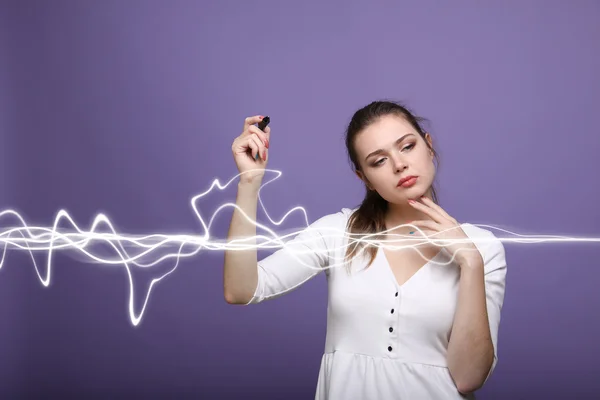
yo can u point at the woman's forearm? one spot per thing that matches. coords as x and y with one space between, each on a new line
470 351
240 273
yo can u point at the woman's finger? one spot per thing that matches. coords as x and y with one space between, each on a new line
262 135
260 146
251 121
436 207
427 210
254 147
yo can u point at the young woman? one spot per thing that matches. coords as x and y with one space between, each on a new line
406 319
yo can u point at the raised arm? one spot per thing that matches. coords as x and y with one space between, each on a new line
240 274
248 280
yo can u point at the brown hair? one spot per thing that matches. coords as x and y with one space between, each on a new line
369 218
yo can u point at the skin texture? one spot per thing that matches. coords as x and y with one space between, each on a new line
470 350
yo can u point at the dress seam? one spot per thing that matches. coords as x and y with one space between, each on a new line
401 360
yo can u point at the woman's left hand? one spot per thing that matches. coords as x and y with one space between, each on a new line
447 230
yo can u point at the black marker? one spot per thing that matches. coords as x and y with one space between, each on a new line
262 125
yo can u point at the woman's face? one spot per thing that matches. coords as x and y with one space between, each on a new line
390 150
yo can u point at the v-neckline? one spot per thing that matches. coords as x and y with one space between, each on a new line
388 267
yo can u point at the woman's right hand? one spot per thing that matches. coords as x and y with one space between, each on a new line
252 141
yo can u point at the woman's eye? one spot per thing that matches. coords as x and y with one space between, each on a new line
407 147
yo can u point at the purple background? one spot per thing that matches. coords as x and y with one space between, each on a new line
130 108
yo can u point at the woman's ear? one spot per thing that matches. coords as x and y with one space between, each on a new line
429 141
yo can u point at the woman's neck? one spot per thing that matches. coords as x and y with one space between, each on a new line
401 214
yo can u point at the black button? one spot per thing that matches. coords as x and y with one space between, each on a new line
389 348
396 294
392 310
391 329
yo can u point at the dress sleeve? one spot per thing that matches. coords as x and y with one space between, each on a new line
494 258
299 259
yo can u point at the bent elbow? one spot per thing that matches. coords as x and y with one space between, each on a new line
471 379
467 388
230 298
470 384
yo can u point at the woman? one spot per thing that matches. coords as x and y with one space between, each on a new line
403 321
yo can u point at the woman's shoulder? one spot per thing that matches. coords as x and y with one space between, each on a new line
332 224
334 219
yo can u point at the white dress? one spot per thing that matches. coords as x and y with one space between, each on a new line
384 340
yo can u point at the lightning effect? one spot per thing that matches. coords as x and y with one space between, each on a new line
130 251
